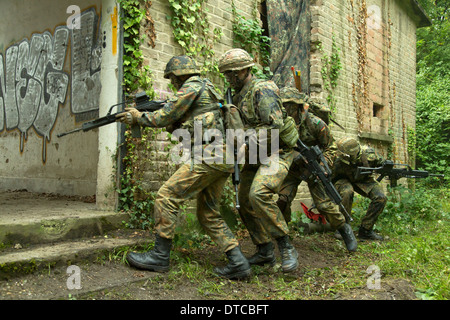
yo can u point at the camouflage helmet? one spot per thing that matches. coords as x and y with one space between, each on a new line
235 59
349 147
181 65
290 94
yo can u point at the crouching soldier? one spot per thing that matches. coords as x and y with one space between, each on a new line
351 156
313 131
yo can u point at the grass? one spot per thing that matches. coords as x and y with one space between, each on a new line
423 258
418 248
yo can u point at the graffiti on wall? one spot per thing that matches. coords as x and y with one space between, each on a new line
86 51
33 83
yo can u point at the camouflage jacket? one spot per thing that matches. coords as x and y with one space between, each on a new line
261 107
368 158
314 131
186 107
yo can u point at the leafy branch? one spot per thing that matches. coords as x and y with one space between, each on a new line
249 35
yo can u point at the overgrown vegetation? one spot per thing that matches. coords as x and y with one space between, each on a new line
417 223
331 67
433 90
249 35
136 75
192 31
133 197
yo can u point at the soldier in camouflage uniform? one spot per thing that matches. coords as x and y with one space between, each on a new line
196 100
350 156
313 131
261 108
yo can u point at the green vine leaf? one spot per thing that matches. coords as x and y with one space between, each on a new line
192 32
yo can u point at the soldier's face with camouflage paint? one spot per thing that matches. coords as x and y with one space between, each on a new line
294 110
177 81
350 158
237 78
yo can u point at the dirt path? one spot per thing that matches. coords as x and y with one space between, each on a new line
321 257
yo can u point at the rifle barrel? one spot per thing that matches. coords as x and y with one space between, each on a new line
69 132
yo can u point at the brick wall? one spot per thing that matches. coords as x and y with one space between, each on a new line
375 94
219 15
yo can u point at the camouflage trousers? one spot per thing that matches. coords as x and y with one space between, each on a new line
375 193
259 211
207 185
322 201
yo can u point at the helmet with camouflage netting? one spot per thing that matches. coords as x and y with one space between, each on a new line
181 65
348 147
235 59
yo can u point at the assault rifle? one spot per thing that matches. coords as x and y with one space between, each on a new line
312 156
393 174
142 104
236 173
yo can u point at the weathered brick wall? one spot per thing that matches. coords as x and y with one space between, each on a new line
375 92
219 16
375 95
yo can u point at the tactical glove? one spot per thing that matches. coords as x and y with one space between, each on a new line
129 116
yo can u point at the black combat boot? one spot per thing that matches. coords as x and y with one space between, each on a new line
365 234
238 266
154 260
349 237
289 256
265 254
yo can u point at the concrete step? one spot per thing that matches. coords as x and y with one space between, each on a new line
41 230
28 218
19 261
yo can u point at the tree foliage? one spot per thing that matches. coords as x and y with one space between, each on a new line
433 89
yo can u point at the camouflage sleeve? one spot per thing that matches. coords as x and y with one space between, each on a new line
268 106
337 171
325 139
172 111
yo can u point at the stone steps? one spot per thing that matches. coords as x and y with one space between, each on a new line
40 232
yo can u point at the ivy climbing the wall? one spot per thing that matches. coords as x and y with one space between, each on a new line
249 35
192 31
133 197
136 76
331 67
